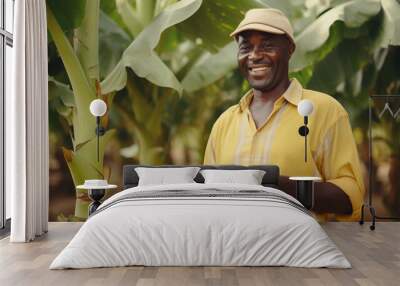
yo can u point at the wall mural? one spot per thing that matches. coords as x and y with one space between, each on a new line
385 154
167 69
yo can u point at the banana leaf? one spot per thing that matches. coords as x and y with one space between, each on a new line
113 42
339 66
341 70
210 68
326 32
69 13
60 90
391 23
215 20
129 17
84 93
140 55
86 38
61 99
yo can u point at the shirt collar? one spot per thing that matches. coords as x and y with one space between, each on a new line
293 95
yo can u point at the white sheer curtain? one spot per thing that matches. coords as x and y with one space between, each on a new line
27 124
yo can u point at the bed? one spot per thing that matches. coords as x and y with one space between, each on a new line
201 224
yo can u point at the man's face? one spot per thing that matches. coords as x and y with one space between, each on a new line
264 58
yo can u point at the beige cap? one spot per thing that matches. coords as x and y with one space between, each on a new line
268 20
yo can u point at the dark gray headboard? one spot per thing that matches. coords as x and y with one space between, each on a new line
270 179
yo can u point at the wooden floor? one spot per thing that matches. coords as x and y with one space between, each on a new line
375 257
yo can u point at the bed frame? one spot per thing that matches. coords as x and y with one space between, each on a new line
270 179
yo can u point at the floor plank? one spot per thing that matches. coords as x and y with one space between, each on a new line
374 255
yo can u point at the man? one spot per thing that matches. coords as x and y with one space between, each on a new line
263 127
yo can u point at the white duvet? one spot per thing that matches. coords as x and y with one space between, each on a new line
200 231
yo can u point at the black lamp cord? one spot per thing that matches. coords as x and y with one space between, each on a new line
305 148
305 137
98 137
303 131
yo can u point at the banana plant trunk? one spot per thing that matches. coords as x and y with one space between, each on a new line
82 66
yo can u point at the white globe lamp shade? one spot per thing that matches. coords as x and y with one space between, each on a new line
305 107
98 107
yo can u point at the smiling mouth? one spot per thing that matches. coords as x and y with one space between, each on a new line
259 69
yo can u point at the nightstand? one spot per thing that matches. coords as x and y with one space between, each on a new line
96 191
305 190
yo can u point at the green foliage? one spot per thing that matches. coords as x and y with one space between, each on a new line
61 98
80 161
147 52
83 92
129 17
140 55
81 62
319 38
113 42
210 68
86 43
61 91
215 20
69 13
349 34
391 23
339 66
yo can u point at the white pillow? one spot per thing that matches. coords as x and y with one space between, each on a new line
248 177
163 176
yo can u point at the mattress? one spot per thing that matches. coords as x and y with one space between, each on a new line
201 225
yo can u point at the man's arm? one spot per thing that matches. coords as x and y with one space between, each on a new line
328 197
342 190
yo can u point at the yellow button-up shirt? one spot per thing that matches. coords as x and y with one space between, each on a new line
332 153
